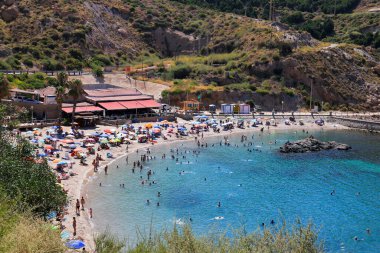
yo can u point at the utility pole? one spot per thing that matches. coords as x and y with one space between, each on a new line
311 93
270 10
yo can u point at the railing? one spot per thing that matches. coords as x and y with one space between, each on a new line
49 73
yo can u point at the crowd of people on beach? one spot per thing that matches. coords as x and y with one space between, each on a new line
63 147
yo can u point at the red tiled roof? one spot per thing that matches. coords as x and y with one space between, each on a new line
132 104
149 103
83 109
119 98
81 104
112 106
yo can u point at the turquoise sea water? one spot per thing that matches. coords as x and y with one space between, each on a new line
253 187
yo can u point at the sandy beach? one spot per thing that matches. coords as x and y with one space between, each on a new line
75 185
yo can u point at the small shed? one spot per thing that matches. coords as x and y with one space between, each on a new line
191 105
235 108
226 108
212 108
245 109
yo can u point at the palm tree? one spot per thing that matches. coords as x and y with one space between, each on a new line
60 93
4 86
62 79
75 91
60 90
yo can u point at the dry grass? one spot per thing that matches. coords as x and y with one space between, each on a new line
32 235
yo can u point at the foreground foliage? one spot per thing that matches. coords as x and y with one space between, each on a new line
32 184
281 239
21 232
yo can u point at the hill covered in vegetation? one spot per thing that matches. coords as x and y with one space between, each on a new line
196 49
314 16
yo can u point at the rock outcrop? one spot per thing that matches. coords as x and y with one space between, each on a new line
311 144
8 10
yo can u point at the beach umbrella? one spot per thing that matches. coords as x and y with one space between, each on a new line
75 244
56 161
70 136
48 147
51 215
90 145
34 141
95 134
36 129
117 140
42 155
65 235
149 125
72 146
104 135
103 141
77 150
62 163
67 141
195 123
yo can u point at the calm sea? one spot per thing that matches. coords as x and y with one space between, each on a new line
252 188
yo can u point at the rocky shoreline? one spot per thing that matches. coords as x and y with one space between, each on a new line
311 144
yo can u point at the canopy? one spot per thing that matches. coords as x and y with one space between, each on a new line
132 104
83 109
112 106
149 103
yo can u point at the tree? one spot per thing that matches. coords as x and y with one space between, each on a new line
60 90
32 185
4 86
75 91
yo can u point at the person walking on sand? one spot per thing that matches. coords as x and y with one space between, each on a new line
82 202
75 226
91 213
77 207
106 170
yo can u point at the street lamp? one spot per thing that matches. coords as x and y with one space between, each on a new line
282 106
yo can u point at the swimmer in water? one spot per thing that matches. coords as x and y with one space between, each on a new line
100 184
158 203
147 202
219 205
272 222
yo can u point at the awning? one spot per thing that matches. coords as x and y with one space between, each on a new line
112 106
83 109
149 103
132 104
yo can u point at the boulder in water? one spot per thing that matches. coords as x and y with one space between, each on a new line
311 144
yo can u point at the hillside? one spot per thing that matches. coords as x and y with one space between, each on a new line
194 49
314 16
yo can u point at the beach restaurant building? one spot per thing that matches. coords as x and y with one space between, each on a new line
114 101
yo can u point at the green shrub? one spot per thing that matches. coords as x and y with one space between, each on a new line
262 91
181 71
33 185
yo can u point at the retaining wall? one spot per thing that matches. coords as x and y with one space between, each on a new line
356 123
